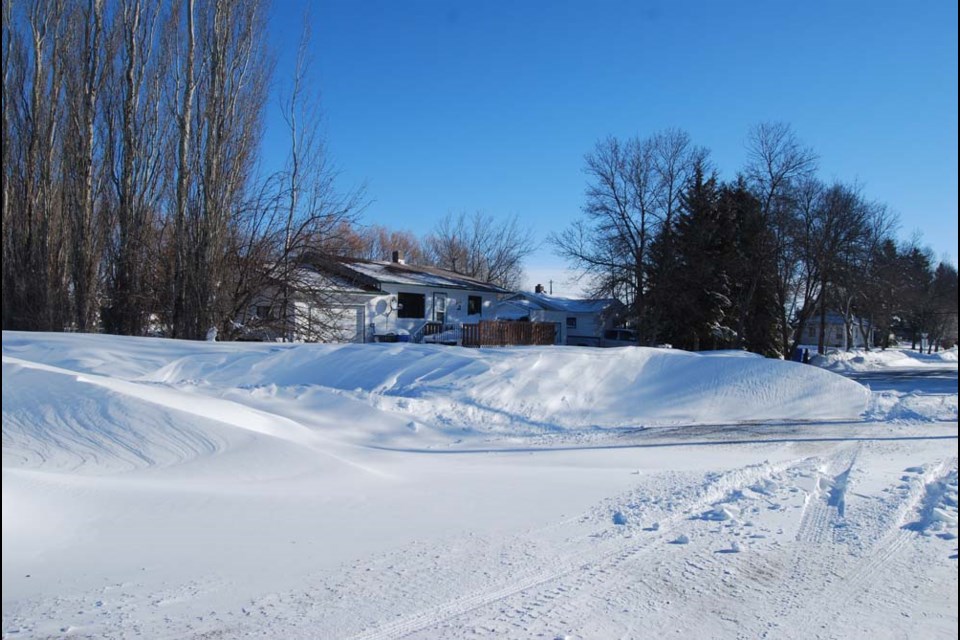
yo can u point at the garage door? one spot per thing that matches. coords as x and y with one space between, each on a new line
340 324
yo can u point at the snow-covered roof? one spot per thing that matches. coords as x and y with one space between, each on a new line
308 278
371 272
542 301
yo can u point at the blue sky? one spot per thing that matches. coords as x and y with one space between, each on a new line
448 106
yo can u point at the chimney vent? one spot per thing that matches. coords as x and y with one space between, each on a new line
398 257
539 288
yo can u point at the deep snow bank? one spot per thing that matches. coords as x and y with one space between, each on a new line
858 360
366 391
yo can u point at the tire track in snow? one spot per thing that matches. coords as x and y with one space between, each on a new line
589 566
824 506
821 514
835 596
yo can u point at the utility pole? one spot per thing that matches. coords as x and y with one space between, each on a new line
551 287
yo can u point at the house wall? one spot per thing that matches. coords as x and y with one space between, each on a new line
384 314
360 317
589 329
307 320
834 335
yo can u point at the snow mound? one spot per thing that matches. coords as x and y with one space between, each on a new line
859 360
938 509
54 419
127 402
540 388
739 353
892 406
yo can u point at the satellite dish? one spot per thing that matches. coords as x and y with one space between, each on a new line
381 307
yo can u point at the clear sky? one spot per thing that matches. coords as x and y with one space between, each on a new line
450 106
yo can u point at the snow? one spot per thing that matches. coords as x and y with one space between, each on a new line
399 273
158 488
890 373
859 360
538 301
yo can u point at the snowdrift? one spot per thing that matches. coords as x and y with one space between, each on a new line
143 402
176 489
858 360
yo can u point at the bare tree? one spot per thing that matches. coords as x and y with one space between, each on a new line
835 233
377 242
480 246
35 233
12 62
611 244
633 195
298 217
777 164
137 142
87 63
107 217
184 89
231 85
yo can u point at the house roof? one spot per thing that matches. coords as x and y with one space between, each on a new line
310 278
541 301
371 274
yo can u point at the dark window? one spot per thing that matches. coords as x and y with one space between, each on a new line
411 305
611 334
265 312
474 305
571 322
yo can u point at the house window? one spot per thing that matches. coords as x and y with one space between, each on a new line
411 305
571 322
474 305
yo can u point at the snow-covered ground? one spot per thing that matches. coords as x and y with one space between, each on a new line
165 489
892 375
860 360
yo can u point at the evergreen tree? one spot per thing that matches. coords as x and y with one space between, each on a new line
689 288
755 313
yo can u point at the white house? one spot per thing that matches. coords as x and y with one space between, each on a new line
354 300
837 333
580 322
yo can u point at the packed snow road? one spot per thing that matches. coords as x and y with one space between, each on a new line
161 489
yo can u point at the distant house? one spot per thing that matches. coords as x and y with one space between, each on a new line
838 333
580 321
354 300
